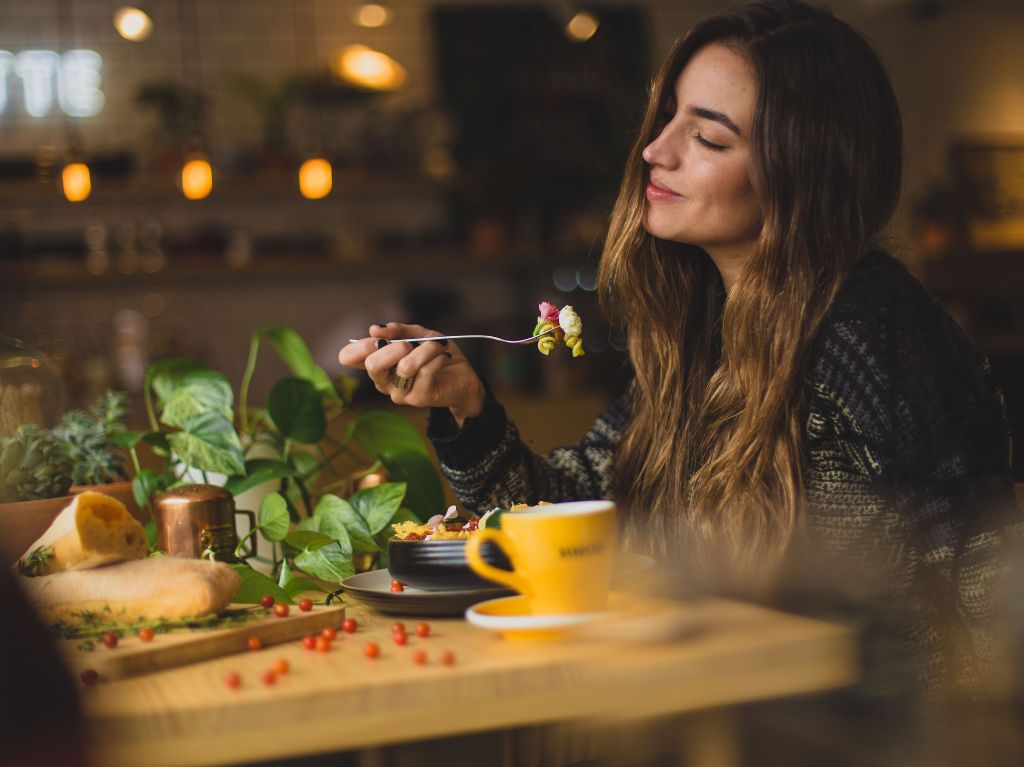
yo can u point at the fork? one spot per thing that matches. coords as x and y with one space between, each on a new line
459 338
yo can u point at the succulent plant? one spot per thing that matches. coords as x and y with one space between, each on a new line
87 440
33 465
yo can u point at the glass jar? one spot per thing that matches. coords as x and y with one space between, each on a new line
31 390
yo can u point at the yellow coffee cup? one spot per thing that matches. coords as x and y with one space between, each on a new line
562 555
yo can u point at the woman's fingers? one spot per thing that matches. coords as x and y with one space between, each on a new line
423 392
410 364
354 355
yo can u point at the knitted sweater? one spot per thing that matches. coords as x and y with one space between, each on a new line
906 460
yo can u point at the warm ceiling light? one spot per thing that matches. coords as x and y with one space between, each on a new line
133 24
77 181
315 178
196 178
370 69
372 15
582 27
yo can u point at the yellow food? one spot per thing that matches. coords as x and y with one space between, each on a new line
157 587
93 530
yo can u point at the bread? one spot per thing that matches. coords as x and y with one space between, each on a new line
157 587
93 530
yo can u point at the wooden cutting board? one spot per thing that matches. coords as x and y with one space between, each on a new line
132 656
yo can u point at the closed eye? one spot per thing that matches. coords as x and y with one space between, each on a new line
707 144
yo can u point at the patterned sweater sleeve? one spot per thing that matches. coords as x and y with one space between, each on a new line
488 465
908 453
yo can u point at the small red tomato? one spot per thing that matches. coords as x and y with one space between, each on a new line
282 666
281 610
400 637
422 630
233 680
371 650
323 643
349 625
110 640
90 677
267 601
419 657
254 643
305 605
397 586
268 677
448 658
399 626
309 641
329 631
146 634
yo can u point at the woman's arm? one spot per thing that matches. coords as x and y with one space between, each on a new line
488 465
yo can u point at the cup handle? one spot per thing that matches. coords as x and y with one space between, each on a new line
476 561
254 551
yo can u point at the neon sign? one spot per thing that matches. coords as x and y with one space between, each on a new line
71 80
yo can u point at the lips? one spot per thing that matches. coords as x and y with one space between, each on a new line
657 192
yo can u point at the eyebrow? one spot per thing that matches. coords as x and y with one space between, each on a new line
718 117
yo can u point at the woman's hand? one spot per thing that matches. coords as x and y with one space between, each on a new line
430 373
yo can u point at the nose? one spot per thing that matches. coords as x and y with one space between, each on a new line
657 152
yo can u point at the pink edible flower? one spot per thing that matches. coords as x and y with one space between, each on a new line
548 312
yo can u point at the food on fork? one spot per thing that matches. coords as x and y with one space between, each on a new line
566 324
449 527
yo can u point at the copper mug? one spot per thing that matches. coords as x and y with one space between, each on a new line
193 519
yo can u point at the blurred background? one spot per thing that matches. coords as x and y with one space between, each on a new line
177 173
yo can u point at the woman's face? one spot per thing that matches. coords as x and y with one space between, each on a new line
699 188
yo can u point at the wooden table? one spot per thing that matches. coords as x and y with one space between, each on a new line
341 700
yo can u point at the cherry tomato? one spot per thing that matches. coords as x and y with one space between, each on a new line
90 677
419 657
305 605
323 643
233 680
282 666
371 650
422 630
349 625
400 637
281 610
397 586
309 641
254 643
329 631
267 601
399 626
268 677
146 634
448 658
110 640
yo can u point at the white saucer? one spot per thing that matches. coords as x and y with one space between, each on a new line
510 617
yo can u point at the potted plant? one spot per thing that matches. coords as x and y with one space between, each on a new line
35 482
316 519
89 441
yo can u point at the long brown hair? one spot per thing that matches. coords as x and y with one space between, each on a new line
712 456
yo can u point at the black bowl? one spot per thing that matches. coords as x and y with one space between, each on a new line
442 565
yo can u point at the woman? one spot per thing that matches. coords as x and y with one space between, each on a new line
796 393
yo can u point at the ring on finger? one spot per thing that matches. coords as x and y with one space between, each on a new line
401 382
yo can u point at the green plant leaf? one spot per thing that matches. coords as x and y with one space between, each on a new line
336 518
425 495
295 354
328 562
144 485
297 586
297 410
258 471
377 505
201 391
285 575
311 524
255 585
209 443
150 529
129 439
164 376
379 431
273 517
302 539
